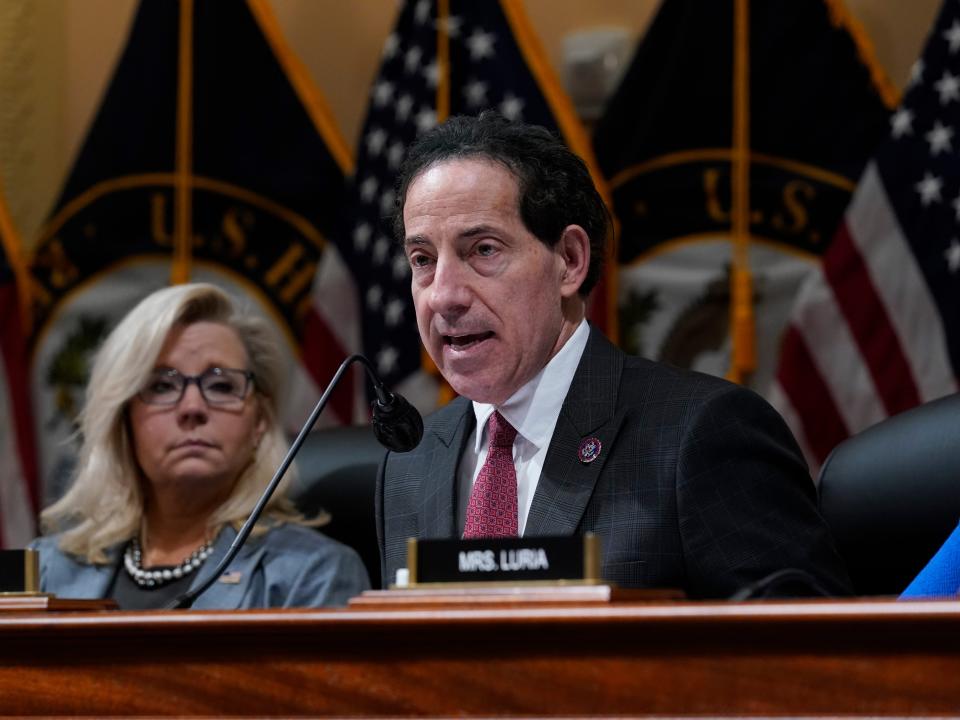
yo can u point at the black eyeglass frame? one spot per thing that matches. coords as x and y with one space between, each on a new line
173 374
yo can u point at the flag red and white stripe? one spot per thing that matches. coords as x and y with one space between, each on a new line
867 339
877 330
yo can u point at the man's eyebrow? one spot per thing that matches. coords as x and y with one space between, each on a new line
478 230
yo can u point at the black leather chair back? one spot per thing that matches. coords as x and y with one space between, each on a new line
338 473
891 495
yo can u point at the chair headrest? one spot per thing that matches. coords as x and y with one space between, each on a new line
891 494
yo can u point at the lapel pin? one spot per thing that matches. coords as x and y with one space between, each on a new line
589 450
231 578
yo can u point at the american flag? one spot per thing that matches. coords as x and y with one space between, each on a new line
878 330
456 57
18 471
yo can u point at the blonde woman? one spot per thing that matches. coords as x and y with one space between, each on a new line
180 436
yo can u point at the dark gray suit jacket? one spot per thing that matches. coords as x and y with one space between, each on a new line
289 566
699 484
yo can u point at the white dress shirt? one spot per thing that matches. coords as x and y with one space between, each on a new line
533 410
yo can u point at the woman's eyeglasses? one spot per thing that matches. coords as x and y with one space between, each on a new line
221 387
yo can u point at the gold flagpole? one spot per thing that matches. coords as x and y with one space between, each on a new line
445 393
183 210
744 356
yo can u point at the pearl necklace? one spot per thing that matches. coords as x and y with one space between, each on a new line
132 562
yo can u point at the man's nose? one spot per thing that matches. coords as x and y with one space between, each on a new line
450 291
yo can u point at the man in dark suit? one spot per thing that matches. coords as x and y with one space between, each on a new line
690 482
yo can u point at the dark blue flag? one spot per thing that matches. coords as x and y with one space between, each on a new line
732 147
211 158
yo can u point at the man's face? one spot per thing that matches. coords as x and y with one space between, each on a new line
487 293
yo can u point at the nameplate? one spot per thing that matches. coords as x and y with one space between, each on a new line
19 571
504 560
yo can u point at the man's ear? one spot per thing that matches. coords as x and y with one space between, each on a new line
573 249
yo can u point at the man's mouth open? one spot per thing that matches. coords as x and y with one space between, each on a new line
465 342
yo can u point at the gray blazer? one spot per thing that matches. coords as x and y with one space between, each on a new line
699 484
289 566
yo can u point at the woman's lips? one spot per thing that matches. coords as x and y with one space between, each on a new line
193 442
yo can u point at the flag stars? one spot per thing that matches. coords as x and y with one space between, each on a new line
387 360
431 74
391 46
404 106
480 45
395 155
929 189
511 107
386 202
368 188
916 72
421 12
376 139
393 313
374 297
381 248
948 88
952 36
939 138
411 59
382 93
361 236
902 122
401 266
451 25
425 119
952 255
475 93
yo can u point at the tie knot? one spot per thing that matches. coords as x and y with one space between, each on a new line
501 434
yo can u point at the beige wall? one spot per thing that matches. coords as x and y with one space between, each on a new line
56 57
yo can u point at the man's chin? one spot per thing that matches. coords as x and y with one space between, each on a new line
476 388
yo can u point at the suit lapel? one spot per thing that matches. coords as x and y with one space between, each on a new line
437 515
589 411
229 595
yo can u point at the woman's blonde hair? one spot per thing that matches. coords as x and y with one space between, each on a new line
104 505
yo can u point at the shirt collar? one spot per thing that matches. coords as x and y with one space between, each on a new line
534 408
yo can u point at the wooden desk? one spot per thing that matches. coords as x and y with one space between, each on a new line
619 658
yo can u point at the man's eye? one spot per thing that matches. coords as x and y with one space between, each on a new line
485 249
419 260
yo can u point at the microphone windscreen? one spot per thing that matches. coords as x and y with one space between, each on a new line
397 424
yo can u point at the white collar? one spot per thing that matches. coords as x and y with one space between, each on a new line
534 408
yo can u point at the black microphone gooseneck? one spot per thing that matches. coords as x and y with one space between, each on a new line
396 424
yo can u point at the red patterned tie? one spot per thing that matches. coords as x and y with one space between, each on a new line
492 510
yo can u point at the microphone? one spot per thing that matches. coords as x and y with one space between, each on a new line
396 424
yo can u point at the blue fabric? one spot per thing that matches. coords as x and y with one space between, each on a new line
941 576
289 566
